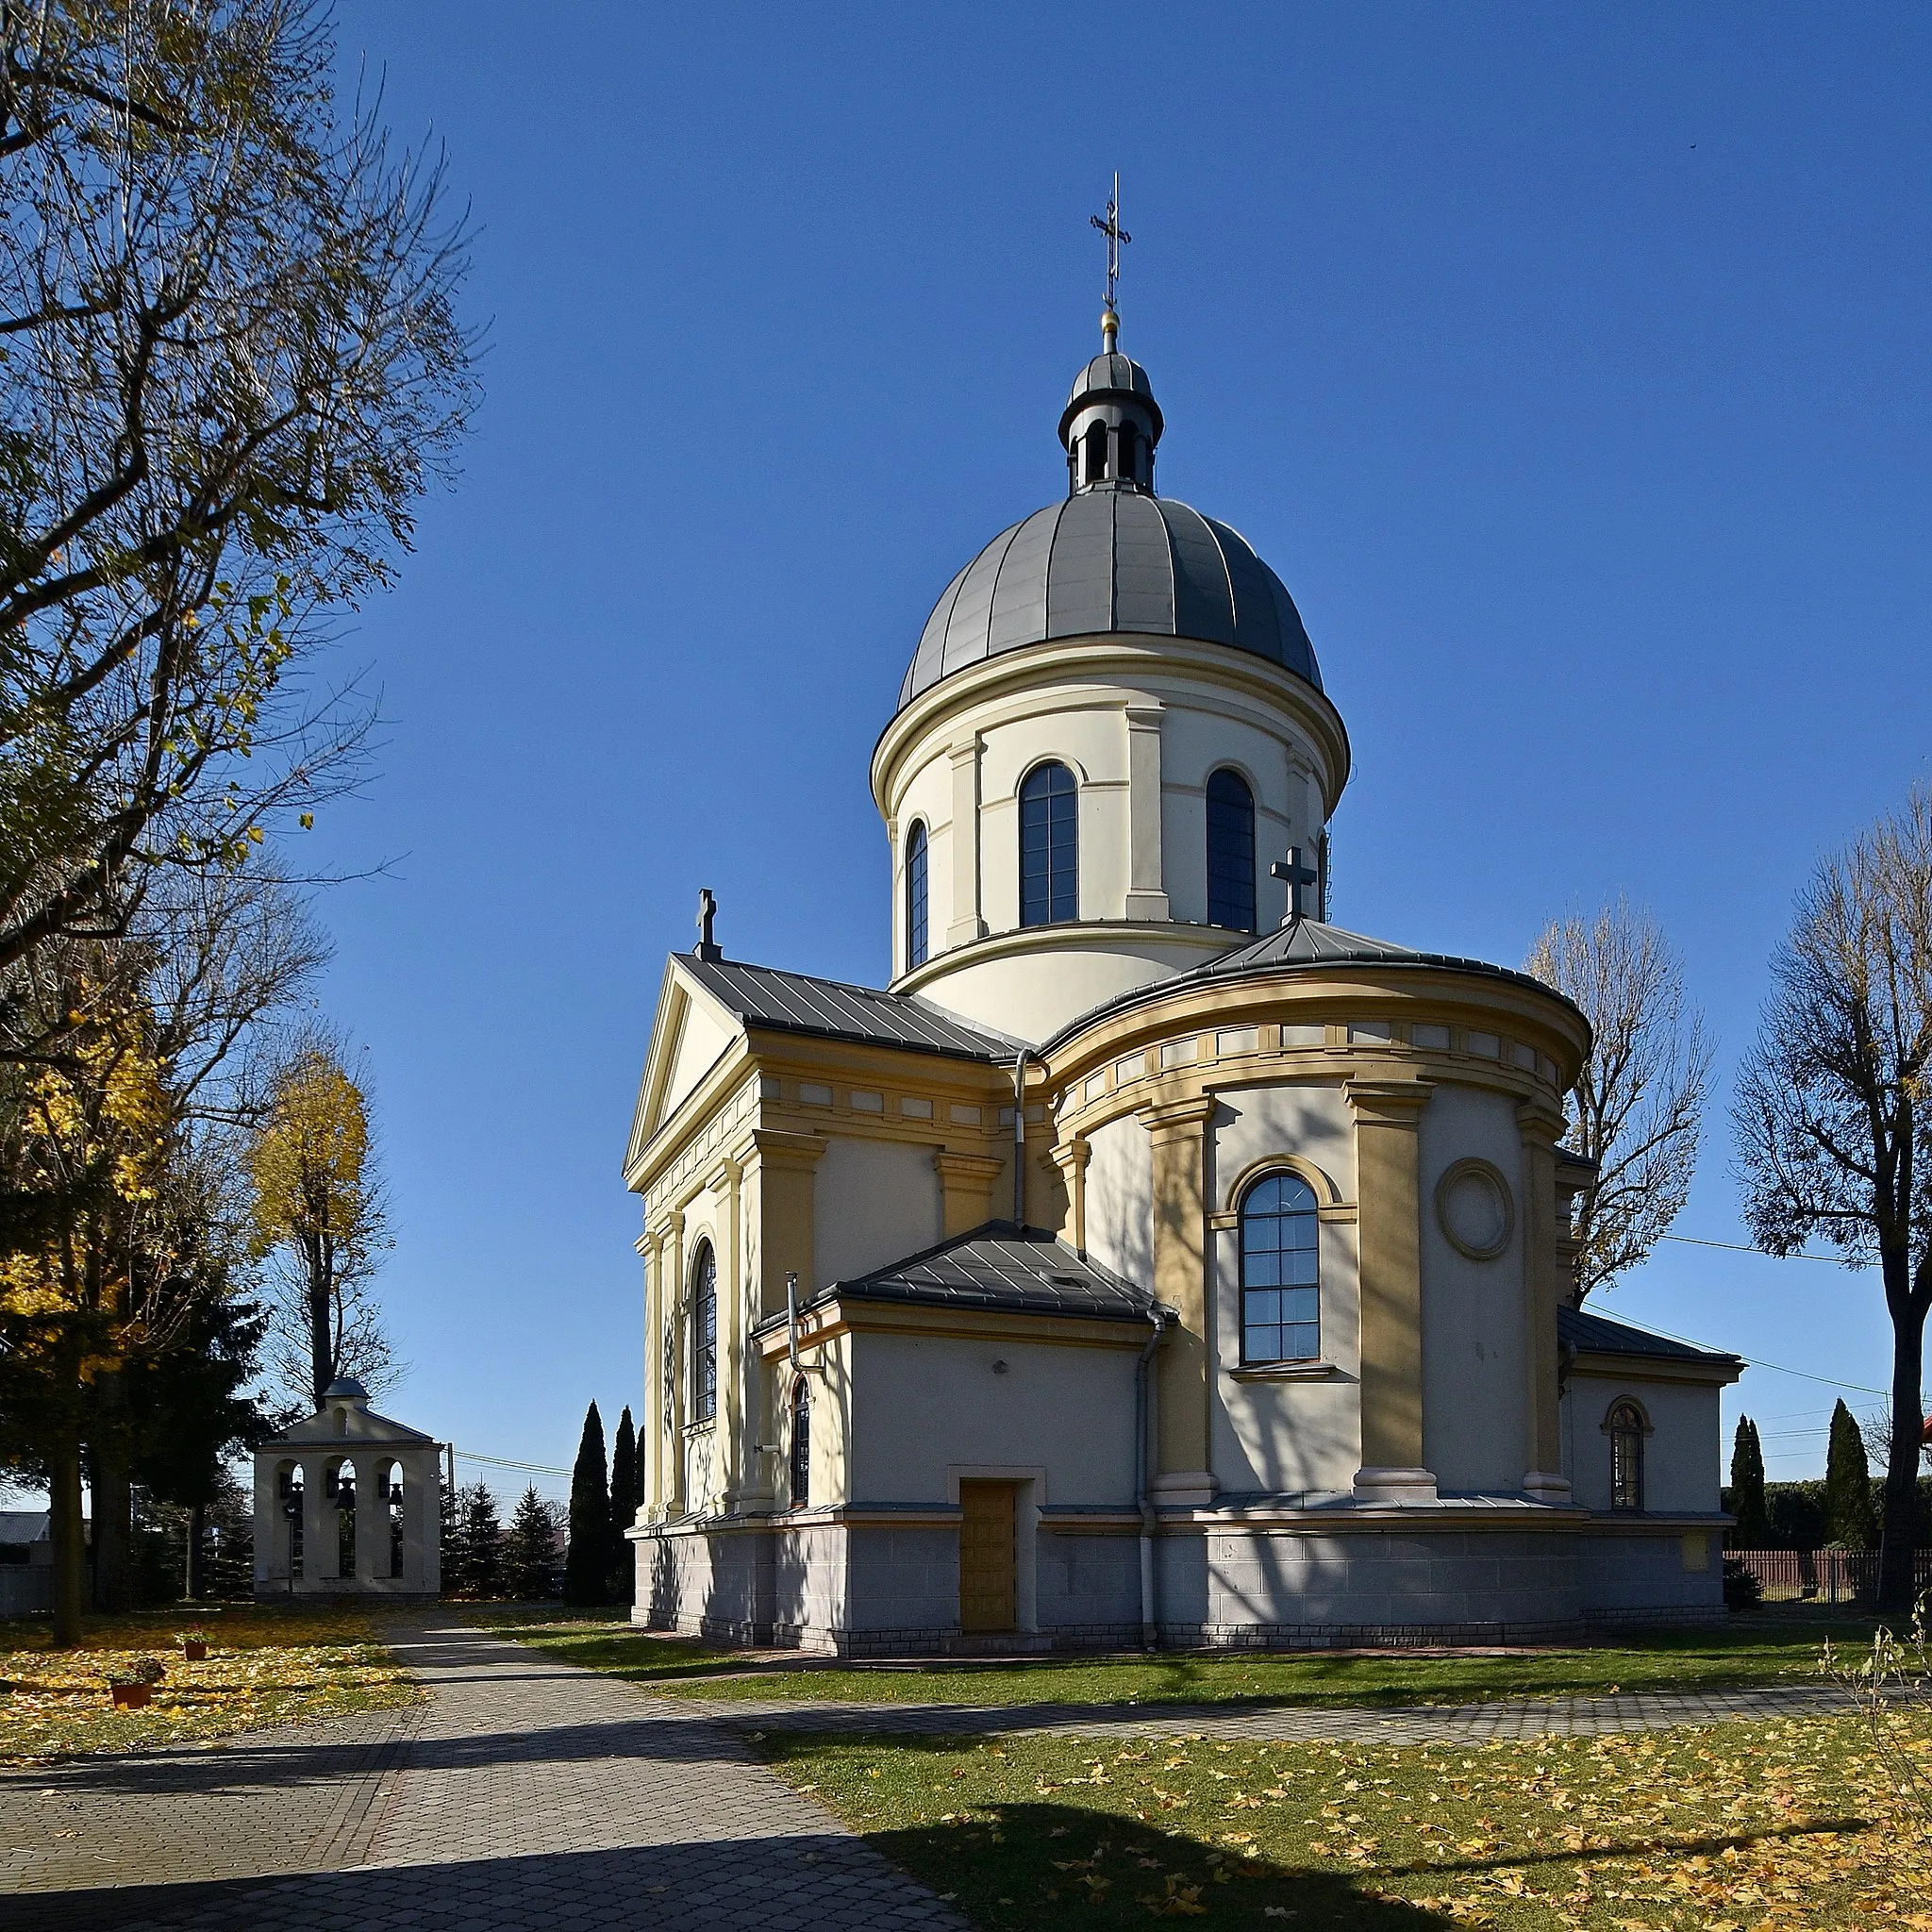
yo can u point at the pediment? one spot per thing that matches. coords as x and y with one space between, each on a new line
323 1430
690 1034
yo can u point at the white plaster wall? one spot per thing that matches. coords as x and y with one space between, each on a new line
1682 1455
1120 1200
1303 1434
1475 1370
874 1202
934 1403
700 1040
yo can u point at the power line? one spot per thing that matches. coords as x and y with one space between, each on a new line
1690 1241
503 1462
1778 1367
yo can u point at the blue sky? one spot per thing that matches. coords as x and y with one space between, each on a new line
1569 364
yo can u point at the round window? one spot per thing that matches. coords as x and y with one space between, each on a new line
1473 1207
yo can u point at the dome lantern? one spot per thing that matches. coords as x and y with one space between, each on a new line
1111 422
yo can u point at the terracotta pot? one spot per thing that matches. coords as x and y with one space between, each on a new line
132 1697
195 1653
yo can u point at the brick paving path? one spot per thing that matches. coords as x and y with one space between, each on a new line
525 1794
1475 1724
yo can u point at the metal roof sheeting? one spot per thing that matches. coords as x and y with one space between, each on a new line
1112 560
1002 1267
797 1003
1598 1335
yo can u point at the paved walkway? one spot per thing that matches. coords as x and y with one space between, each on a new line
1423 1723
525 1794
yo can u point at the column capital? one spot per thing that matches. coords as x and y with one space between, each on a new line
1540 1121
1170 1120
1388 1103
775 1147
955 1168
1071 1156
1143 714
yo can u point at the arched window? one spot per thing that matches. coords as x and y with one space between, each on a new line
1281 1314
1625 1426
1096 452
1230 851
801 1443
1049 847
704 1335
915 898
1127 455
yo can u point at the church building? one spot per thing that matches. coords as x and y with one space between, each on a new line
1151 1261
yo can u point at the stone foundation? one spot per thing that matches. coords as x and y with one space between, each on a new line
866 1588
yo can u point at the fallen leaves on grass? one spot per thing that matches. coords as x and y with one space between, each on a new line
263 1667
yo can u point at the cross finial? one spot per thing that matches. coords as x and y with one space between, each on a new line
707 947
1297 874
1110 226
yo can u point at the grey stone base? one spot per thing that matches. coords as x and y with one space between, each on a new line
864 1589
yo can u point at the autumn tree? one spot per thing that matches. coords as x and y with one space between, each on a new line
1636 1108
1834 1128
320 1220
232 367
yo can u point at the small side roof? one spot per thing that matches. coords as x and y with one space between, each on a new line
799 1003
999 1267
24 1525
1591 1334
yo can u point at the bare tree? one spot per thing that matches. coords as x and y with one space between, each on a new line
231 366
1637 1107
1833 1115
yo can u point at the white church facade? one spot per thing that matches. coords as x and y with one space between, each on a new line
1151 1261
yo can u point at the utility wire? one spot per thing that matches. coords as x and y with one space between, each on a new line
1690 1241
502 1463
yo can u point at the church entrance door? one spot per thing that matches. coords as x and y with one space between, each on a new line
988 1554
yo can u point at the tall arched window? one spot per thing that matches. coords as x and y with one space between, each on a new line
1281 1313
801 1443
704 1335
1230 851
1049 847
1625 1429
1095 442
915 898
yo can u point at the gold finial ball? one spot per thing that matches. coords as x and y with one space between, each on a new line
1110 323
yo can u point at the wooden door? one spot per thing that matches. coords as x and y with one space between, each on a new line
988 1556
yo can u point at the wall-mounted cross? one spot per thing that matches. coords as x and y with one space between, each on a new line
1297 874
707 947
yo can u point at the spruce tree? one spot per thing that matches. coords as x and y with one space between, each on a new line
1747 1490
483 1551
1850 1521
530 1554
587 1558
624 1508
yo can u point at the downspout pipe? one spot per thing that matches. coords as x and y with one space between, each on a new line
1143 1435
1019 1139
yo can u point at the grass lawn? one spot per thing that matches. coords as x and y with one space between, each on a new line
1765 1647
264 1666
1729 1828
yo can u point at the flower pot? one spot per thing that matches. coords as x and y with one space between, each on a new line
132 1697
195 1653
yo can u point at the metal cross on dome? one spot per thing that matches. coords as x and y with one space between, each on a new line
1297 874
1110 226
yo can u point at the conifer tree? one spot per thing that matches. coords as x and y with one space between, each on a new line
530 1554
1747 1489
1849 1519
588 1556
624 1509
482 1540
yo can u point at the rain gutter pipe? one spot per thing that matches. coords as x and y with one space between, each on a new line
1020 1139
1143 1431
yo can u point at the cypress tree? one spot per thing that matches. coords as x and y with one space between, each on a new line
530 1555
589 1555
624 1509
1850 1521
1747 1489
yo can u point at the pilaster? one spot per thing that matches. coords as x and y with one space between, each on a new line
966 1187
1184 1462
1388 1117
1542 1126
1071 1157
1146 880
672 1293
781 1167
968 922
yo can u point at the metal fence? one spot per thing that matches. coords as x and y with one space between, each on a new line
1824 1577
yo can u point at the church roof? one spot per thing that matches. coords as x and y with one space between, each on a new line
1591 1334
1306 943
1002 1268
1112 560
799 1003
